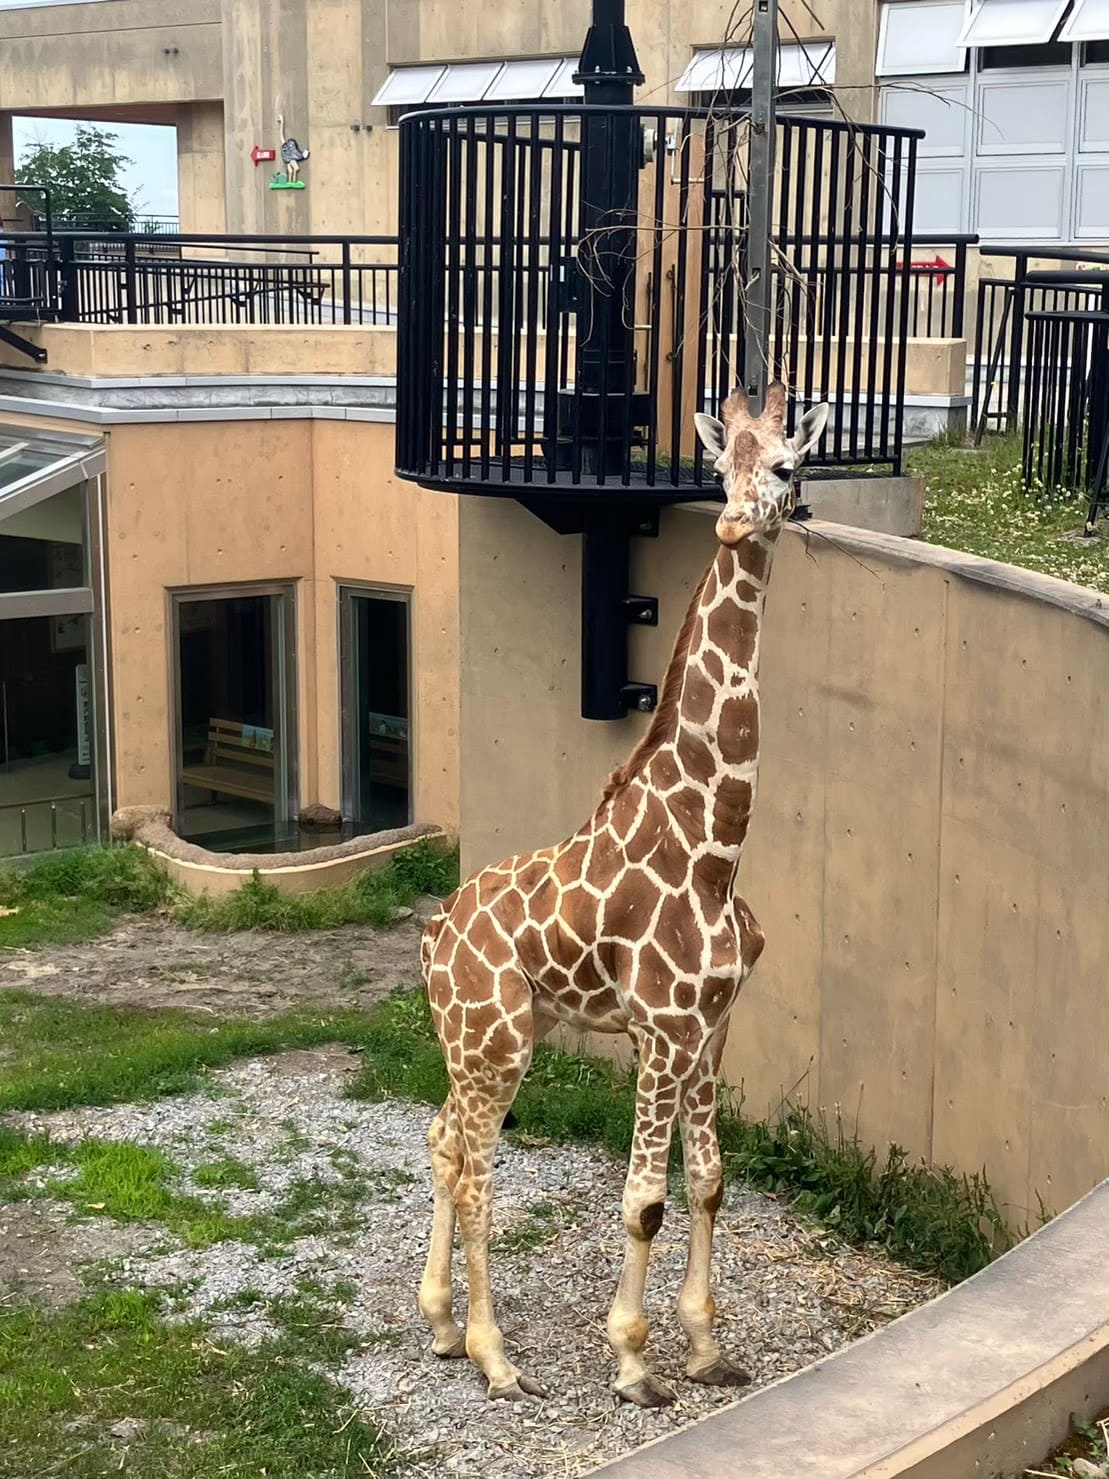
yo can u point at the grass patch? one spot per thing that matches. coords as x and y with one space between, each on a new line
541 1224
373 897
224 1171
76 895
976 501
200 1410
930 1219
64 1055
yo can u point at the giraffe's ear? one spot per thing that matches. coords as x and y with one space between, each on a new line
809 430
712 433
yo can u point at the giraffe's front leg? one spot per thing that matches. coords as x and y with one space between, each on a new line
644 1201
705 1187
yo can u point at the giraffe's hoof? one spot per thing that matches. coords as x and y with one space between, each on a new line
450 1347
648 1391
722 1373
516 1391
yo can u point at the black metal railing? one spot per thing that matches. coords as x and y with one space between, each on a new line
134 278
500 282
999 359
143 223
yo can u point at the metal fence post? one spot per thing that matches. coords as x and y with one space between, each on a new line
1016 344
130 282
69 303
346 282
760 181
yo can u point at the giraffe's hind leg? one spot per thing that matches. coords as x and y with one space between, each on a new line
445 1141
487 1041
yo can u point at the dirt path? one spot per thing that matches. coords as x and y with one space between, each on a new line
155 963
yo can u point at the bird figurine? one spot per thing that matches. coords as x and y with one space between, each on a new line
292 155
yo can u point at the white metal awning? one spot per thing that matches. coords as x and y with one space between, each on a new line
1011 22
512 79
728 68
1089 21
920 38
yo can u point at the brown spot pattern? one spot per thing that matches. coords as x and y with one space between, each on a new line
738 736
628 910
696 757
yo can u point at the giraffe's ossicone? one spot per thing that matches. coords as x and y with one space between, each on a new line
630 925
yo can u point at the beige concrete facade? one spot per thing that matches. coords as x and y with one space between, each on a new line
313 503
222 73
926 858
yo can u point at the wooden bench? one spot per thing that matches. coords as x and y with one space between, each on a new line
236 762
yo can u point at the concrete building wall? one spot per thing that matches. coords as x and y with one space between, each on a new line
928 847
323 61
236 502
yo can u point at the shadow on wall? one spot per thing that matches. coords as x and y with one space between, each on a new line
928 847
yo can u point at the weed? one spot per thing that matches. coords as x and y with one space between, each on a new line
202 1410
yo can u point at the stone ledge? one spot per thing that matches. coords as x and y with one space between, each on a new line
980 1382
199 871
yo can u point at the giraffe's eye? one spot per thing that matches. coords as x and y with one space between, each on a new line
783 472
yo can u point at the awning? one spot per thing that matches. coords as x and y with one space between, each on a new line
1012 22
513 79
34 466
1089 21
728 69
920 38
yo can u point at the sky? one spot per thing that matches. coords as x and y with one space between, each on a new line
150 180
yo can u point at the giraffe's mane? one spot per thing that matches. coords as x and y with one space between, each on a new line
664 723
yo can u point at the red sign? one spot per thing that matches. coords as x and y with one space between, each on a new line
937 268
258 155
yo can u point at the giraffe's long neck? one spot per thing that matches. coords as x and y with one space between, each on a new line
717 737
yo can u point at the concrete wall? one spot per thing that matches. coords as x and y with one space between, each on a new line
928 848
324 61
205 503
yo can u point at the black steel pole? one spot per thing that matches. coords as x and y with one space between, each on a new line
612 151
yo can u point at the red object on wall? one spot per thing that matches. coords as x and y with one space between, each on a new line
936 262
258 155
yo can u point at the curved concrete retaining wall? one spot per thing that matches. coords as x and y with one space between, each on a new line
980 1382
929 849
199 871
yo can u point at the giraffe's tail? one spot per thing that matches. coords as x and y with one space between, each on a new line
432 931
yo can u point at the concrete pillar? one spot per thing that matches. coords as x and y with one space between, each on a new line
201 184
7 172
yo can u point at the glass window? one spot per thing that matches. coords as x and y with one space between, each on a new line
47 794
406 85
376 709
43 548
562 84
1002 58
235 722
729 68
523 80
1012 22
920 39
463 82
1089 21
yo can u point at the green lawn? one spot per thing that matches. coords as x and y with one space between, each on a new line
975 501
76 895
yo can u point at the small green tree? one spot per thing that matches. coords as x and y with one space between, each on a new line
83 178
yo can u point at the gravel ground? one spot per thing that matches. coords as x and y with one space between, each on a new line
787 1293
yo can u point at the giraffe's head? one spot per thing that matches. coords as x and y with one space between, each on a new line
757 462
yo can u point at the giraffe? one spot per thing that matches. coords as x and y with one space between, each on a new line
631 925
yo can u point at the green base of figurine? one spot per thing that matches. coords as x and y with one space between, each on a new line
282 182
